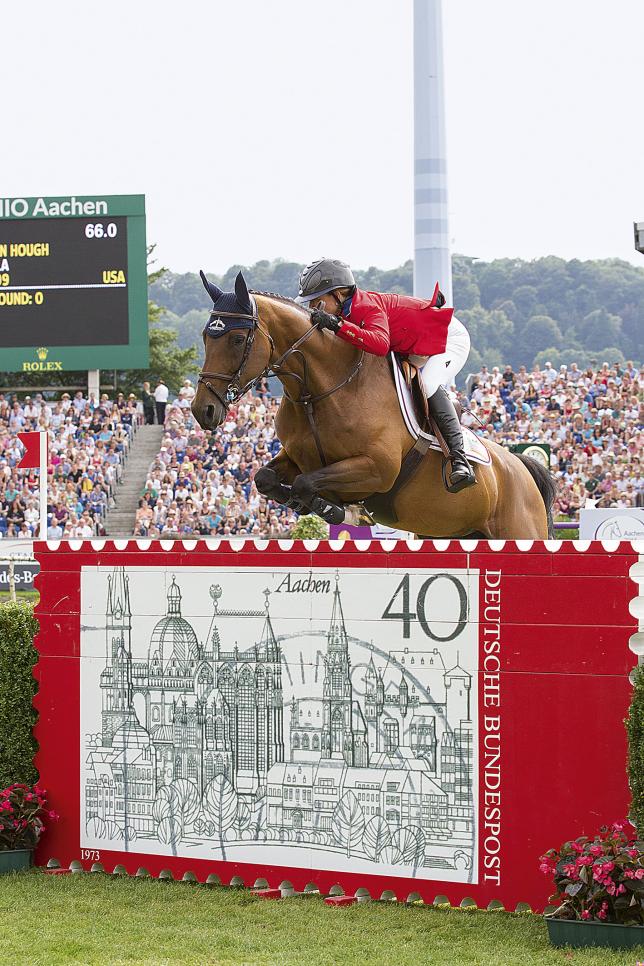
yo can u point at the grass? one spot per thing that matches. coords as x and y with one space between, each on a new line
95 918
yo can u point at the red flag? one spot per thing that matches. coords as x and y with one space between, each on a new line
31 458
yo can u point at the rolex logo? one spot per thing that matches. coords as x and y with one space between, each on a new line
43 365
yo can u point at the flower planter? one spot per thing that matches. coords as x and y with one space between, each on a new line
15 860
578 933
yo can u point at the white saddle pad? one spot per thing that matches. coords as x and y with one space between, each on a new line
475 448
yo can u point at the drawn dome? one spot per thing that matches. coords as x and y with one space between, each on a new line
173 640
131 734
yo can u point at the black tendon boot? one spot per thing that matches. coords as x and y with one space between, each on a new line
442 410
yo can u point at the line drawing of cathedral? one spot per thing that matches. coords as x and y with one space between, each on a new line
377 763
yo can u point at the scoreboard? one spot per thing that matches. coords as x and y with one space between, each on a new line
73 283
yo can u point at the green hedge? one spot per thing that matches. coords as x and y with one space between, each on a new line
635 730
18 655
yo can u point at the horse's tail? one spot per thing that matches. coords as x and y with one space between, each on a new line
545 484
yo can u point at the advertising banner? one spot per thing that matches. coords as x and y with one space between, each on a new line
404 722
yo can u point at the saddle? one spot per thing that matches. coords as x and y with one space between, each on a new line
416 388
423 429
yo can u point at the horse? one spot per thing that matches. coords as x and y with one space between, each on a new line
343 437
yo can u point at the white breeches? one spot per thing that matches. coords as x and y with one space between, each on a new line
442 369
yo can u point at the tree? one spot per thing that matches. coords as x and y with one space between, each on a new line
96 827
169 831
220 803
310 527
599 329
410 842
347 823
167 362
539 332
165 804
187 797
635 731
376 837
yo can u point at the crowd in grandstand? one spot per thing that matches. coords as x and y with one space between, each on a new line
202 483
88 444
591 420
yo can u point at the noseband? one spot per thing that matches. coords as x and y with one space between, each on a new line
234 388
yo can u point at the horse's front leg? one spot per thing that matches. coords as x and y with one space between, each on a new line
274 481
358 474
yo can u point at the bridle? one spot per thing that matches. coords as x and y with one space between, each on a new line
235 389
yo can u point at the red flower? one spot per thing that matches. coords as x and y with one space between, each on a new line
53 816
585 914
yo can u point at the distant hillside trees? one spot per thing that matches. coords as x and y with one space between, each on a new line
517 312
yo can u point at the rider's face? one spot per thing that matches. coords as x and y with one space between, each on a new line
328 302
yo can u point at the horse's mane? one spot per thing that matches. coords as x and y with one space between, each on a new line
284 299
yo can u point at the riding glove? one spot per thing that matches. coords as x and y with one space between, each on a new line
324 320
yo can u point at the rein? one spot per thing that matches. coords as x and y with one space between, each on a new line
235 390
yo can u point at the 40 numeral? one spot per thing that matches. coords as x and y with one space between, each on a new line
420 614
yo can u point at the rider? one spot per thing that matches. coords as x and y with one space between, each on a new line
424 330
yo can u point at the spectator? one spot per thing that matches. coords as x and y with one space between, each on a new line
161 394
148 404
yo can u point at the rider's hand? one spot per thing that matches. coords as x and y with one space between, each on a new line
324 320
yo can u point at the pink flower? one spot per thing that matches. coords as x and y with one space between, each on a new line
570 871
546 868
585 914
596 850
584 860
53 816
576 847
601 914
639 873
620 889
617 826
633 853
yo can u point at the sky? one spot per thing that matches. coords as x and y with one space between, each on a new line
284 129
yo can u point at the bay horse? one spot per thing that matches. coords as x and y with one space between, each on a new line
342 433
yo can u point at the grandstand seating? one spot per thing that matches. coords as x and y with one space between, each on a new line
202 484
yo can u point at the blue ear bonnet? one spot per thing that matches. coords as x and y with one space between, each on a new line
216 326
238 301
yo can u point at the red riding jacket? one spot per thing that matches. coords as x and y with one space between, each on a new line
380 323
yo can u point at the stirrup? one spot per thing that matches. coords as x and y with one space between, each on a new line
456 487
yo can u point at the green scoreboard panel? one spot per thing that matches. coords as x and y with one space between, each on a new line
73 283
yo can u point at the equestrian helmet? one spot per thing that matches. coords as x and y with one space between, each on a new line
324 276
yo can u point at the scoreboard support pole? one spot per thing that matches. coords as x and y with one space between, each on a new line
94 383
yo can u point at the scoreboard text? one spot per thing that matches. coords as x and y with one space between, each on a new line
73 283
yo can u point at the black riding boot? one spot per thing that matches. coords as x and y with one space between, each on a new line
442 410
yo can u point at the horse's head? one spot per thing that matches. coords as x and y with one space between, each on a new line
233 357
